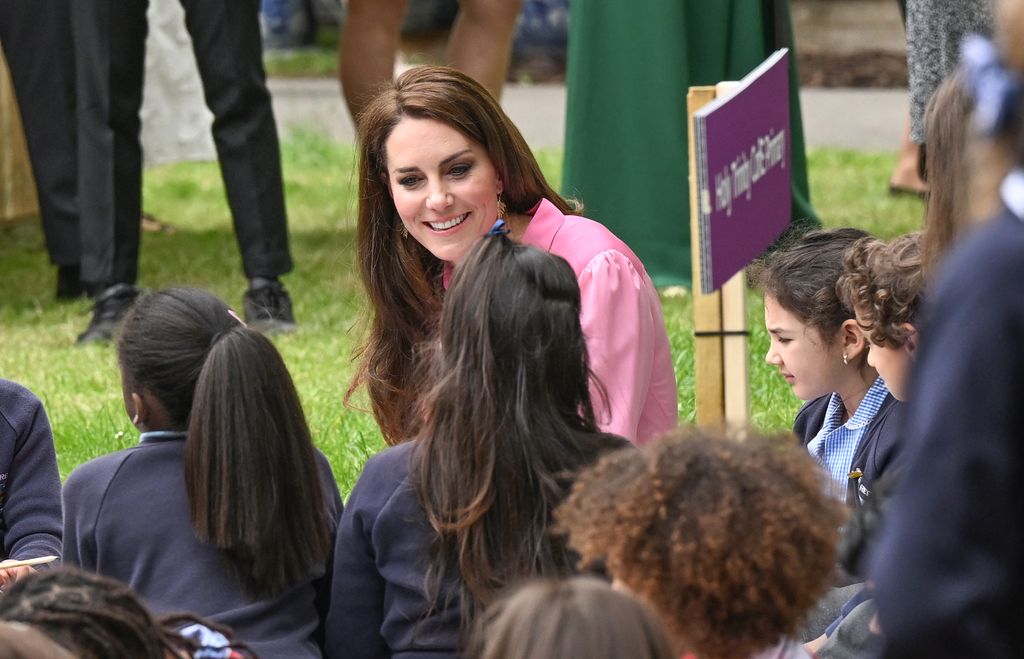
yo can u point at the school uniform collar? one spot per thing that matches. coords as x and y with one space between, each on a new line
865 412
156 436
1012 192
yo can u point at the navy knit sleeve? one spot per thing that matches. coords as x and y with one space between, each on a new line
30 503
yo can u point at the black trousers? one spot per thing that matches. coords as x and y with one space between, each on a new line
110 48
36 37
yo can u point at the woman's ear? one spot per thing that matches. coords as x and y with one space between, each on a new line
852 339
912 338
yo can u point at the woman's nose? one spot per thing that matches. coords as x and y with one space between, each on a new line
439 198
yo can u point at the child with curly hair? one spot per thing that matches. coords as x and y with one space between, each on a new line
884 285
850 421
730 542
577 617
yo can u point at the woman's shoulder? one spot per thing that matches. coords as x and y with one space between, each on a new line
577 239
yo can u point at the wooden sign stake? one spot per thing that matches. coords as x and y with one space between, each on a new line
721 381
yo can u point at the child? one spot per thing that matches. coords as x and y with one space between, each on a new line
30 509
96 617
577 617
436 527
884 284
730 542
850 421
949 565
224 507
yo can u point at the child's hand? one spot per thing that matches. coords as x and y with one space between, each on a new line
10 575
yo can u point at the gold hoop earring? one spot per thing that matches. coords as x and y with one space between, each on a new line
846 360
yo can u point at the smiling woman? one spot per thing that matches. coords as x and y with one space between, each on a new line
439 162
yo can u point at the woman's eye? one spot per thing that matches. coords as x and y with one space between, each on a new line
408 181
460 170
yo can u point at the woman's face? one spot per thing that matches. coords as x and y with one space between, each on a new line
444 186
810 365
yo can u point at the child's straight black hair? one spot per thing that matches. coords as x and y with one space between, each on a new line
251 475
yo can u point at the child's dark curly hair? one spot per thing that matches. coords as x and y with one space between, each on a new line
884 284
730 542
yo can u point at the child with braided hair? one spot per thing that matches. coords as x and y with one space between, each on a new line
94 617
730 542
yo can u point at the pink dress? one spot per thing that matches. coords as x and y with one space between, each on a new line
622 323
620 314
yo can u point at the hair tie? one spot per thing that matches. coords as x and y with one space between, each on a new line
994 88
499 228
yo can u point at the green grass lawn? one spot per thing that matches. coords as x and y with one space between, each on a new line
80 386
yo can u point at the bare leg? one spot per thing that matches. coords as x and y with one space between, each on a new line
367 50
906 176
481 40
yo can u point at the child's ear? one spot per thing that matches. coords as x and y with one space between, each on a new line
852 338
140 410
912 338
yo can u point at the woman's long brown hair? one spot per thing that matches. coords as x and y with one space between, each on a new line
402 279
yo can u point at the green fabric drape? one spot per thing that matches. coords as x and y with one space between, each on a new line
630 66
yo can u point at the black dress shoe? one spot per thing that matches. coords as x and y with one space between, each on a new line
268 308
107 311
69 282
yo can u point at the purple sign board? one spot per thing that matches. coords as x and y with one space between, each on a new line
744 191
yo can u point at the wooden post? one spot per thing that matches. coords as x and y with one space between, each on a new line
721 382
708 366
17 186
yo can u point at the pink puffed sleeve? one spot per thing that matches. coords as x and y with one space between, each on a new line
628 346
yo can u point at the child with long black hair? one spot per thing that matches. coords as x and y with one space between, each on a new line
224 508
437 526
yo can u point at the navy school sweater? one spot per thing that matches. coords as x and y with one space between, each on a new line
127 517
949 566
379 602
879 451
30 511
